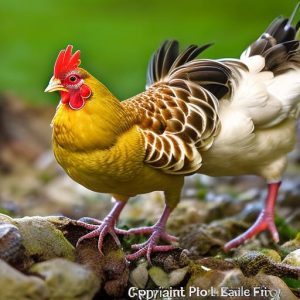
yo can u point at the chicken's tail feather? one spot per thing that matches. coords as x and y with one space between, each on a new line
278 45
168 58
170 66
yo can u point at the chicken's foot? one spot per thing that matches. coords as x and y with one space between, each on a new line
265 220
158 232
102 228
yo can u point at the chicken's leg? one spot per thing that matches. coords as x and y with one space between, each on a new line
104 227
264 221
157 231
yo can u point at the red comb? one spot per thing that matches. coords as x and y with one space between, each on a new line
66 62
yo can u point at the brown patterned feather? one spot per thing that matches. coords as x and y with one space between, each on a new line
178 113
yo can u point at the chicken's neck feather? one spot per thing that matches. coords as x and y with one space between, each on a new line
95 126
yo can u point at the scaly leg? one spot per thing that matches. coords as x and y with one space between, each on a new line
157 231
265 220
104 227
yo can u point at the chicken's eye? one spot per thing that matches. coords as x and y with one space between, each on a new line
72 78
72 81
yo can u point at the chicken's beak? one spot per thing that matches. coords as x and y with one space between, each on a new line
55 85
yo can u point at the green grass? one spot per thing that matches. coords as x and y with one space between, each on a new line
117 37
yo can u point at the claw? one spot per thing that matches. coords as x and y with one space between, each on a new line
87 225
94 233
112 232
140 230
101 228
150 230
150 245
102 235
148 250
265 220
99 231
121 231
138 246
136 255
92 221
157 232
169 237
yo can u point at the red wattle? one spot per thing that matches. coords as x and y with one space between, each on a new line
76 98
76 101
85 91
65 97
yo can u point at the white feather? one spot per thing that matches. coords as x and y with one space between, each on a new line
286 87
257 125
252 96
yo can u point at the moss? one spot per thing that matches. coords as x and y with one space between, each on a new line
286 232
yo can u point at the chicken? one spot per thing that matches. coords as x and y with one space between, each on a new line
216 117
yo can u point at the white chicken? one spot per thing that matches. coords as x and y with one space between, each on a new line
258 121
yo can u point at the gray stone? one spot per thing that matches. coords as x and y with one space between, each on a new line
67 280
139 276
159 277
41 238
16 286
177 276
293 258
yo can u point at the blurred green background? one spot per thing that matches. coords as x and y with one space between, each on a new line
117 37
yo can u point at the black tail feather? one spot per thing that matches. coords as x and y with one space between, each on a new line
168 58
178 68
281 30
278 44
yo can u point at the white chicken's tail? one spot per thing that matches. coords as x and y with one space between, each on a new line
279 47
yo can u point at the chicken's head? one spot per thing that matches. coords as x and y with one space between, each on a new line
69 79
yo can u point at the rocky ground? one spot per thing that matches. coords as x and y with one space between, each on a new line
38 258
